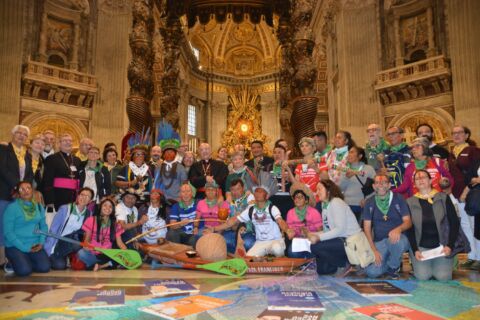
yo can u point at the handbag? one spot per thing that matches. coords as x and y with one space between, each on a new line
461 243
472 202
50 213
367 187
358 250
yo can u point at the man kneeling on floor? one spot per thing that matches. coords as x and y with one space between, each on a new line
267 222
388 216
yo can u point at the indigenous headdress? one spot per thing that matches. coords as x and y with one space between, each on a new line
140 141
167 138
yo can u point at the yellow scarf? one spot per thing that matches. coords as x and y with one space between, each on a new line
428 197
459 148
20 154
34 164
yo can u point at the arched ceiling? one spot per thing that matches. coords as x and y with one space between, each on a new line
241 49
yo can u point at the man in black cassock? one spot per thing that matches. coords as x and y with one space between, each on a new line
207 170
61 180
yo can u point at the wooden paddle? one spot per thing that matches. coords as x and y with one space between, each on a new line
130 259
231 267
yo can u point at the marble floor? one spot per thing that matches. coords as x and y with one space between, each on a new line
20 298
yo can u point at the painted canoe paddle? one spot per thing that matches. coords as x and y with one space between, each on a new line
230 267
130 259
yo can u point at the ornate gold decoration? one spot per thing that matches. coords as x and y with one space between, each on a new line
244 120
140 68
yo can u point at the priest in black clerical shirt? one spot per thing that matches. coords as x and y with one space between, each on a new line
207 170
259 160
61 178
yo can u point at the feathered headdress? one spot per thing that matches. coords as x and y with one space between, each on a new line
167 138
140 140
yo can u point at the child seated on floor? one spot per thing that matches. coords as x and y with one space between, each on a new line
157 214
101 230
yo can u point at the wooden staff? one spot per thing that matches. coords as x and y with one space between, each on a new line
141 235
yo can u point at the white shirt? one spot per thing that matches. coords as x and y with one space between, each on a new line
154 222
90 182
123 213
265 228
74 221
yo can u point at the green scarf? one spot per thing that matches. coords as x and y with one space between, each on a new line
379 148
383 203
267 204
420 164
28 209
277 170
301 213
325 205
96 168
399 147
211 204
184 206
319 154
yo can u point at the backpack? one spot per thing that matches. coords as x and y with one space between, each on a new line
270 206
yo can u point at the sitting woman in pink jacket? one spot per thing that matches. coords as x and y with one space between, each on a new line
302 218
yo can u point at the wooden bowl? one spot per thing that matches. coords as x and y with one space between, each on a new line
191 253
223 214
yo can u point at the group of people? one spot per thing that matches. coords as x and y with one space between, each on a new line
402 198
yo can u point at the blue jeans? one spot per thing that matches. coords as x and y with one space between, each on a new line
179 236
58 258
90 258
391 256
329 255
3 206
24 263
439 268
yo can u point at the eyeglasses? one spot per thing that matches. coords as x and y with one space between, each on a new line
373 130
392 133
138 154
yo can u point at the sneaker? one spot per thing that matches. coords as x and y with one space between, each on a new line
393 274
467 264
7 267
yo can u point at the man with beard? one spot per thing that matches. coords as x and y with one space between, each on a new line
376 146
61 179
425 130
155 156
50 142
397 158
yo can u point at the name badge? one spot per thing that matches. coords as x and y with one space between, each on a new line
73 168
463 154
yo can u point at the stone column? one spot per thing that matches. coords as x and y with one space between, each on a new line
464 43
398 43
356 103
76 43
108 116
431 43
11 48
42 47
